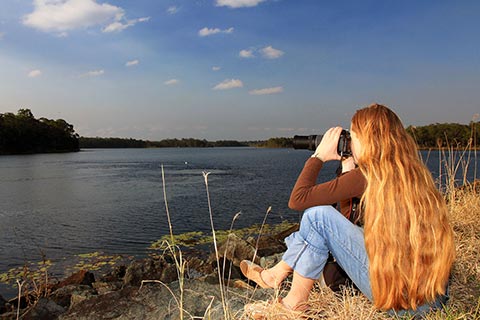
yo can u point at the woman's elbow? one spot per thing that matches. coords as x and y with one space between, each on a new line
295 205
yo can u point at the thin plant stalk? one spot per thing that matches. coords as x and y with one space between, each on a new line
257 244
226 248
260 233
454 160
163 284
475 150
207 311
180 265
20 285
439 144
166 206
220 280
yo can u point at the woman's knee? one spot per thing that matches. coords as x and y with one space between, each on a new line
313 218
315 214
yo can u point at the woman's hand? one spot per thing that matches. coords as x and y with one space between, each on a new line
348 164
327 149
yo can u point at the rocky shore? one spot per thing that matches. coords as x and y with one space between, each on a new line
165 286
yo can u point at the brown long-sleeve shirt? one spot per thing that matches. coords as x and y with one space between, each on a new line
307 193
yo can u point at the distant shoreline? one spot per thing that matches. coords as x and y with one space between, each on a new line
200 147
27 153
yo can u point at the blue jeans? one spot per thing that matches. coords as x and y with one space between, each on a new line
324 229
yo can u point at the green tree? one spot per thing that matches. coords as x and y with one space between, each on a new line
22 133
445 135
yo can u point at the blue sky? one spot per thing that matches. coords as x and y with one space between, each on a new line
237 69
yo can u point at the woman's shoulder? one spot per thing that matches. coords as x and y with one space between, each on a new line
354 176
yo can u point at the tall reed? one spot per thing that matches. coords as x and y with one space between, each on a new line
454 160
176 254
217 256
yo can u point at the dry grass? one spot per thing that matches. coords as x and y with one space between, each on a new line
464 212
464 303
464 300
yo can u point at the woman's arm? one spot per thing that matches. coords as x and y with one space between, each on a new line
306 193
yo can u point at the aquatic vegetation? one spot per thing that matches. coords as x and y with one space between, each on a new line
41 271
94 261
196 238
34 271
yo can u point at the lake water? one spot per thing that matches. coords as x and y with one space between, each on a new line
112 200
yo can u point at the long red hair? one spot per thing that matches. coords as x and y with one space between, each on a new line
408 238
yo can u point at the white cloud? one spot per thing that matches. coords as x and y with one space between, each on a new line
215 68
238 3
171 82
228 84
93 73
172 10
34 73
132 63
64 15
118 26
2 34
246 54
259 92
208 32
271 53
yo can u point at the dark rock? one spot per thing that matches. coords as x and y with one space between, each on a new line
11 315
273 244
211 279
44 309
3 303
155 301
229 270
236 249
117 274
285 233
140 290
107 306
169 274
82 277
23 301
80 297
63 296
196 267
272 260
150 269
106 287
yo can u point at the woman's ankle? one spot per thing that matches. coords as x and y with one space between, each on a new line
275 275
270 278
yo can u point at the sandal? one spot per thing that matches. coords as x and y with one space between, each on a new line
253 272
275 310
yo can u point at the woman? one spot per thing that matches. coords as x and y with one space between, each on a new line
401 258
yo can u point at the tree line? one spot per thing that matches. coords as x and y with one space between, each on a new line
446 135
432 136
21 133
98 142
278 142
